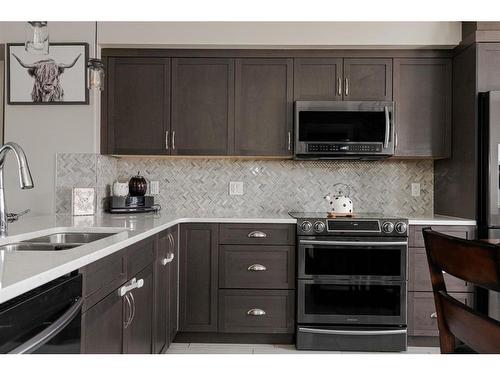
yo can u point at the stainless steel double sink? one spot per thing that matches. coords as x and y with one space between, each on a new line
56 241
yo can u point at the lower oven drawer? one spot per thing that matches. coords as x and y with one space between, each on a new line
355 338
256 311
351 302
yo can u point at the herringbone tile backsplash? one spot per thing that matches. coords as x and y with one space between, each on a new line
269 185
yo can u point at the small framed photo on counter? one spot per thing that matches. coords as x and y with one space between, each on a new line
83 201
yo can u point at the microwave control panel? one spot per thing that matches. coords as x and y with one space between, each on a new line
345 147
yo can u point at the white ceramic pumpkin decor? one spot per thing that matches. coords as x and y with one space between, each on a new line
340 201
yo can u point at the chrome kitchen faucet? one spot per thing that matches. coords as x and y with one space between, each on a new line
24 178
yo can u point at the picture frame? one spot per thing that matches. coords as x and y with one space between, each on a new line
59 78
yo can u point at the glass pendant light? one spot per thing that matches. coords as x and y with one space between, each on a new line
37 38
96 69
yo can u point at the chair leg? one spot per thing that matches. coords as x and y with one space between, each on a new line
446 342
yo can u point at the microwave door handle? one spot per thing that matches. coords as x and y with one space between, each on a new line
387 127
48 333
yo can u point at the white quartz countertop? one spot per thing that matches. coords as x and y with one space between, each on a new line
21 271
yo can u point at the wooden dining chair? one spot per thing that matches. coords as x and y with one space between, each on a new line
472 261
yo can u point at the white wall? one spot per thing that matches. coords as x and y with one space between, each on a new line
45 130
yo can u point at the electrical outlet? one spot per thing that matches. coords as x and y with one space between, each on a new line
154 187
415 189
235 188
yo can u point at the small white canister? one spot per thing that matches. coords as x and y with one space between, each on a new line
340 201
120 189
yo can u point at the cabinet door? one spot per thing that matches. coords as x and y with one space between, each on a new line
162 295
138 335
102 326
263 107
422 92
138 105
174 286
317 79
198 277
367 79
202 106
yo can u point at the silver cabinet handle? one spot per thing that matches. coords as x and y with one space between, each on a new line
171 241
168 259
395 141
48 333
289 141
133 308
256 312
434 315
257 267
257 234
346 86
134 284
166 140
339 86
387 127
352 333
129 317
173 140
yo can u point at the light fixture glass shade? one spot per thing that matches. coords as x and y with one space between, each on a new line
96 74
37 38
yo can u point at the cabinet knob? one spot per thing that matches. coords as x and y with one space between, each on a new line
257 234
168 259
434 315
257 267
256 312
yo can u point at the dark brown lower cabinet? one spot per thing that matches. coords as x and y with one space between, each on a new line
102 326
198 277
166 306
138 334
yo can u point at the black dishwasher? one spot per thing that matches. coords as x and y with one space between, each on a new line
44 320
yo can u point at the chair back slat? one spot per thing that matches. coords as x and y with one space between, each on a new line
476 330
472 261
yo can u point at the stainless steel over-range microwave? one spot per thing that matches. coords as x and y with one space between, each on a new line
344 129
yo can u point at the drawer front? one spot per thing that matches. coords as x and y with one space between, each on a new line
140 255
421 312
102 277
257 267
256 311
417 238
257 234
419 279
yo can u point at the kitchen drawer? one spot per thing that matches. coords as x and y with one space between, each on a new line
140 255
421 309
102 277
257 234
236 307
417 238
257 267
419 279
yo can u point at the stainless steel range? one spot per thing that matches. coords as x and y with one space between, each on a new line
352 282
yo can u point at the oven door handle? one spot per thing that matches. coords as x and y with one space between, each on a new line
353 243
352 333
48 333
387 127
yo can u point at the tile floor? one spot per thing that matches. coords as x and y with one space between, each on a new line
195 348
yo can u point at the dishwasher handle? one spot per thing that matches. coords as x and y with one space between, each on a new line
48 333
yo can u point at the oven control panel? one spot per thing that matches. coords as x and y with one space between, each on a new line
352 226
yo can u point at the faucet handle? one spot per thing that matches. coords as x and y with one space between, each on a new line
11 217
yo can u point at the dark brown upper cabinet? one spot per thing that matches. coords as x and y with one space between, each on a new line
318 78
367 79
198 283
202 106
136 112
423 94
263 107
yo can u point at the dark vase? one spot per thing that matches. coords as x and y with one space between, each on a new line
137 186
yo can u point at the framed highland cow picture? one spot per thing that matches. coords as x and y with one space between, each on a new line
59 77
